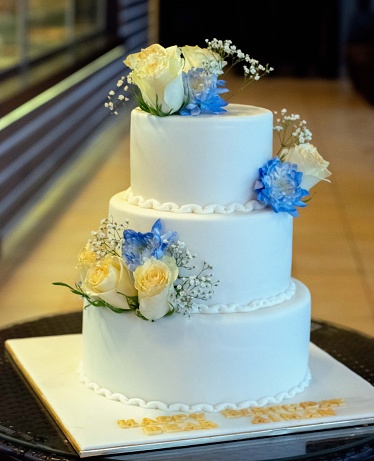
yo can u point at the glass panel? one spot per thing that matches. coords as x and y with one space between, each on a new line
9 34
48 26
30 29
89 17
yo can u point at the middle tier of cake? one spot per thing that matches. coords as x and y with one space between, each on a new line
251 253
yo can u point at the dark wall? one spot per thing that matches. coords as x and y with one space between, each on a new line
360 49
296 39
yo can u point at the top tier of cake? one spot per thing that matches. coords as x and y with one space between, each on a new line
190 160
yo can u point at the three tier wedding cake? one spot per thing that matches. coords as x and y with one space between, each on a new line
190 303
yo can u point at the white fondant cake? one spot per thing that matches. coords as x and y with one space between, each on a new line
247 344
189 300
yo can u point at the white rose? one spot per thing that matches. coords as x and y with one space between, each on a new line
202 57
154 282
109 280
157 71
309 162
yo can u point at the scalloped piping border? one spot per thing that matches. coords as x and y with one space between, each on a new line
250 307
139 201
156 405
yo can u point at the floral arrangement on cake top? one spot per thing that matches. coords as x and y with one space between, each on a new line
128 271
183 80
285 180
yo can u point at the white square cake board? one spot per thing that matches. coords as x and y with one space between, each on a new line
51 366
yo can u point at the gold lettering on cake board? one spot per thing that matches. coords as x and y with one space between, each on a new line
184 422
287 412
168 424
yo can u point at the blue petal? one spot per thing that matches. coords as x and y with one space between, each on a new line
203 92
279 186
138 247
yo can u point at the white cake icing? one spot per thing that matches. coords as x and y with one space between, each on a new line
204 362
218 163
248 344
138 200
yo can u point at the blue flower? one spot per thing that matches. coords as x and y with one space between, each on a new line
138 247
279 186
203 90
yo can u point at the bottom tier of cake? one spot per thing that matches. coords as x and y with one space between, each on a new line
205 362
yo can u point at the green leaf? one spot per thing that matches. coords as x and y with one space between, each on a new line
150 109
132 301
117 310
77 290
171 312
137 312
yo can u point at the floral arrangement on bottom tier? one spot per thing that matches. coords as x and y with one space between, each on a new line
128 271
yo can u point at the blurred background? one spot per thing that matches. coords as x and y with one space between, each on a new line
62 155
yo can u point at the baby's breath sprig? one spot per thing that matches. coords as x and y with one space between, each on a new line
190 288
115 100
107 240
181 254
291 130
252 69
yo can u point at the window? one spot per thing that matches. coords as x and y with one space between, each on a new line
31 29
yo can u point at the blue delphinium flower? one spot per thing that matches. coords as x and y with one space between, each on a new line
279 186
138 247
203 90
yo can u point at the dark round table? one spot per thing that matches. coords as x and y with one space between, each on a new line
28 432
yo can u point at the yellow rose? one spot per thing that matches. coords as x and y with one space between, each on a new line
309 162
157 72
86 258
202 57
107 279
154 282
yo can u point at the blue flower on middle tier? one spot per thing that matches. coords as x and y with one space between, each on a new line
138 247
279 186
